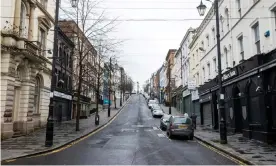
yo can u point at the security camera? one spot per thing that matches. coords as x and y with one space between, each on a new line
259 89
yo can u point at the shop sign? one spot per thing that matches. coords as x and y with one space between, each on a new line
185 93
195 95
192 84
229 74
62 95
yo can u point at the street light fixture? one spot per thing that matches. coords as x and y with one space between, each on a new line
201 9
222 126
74 3
50 119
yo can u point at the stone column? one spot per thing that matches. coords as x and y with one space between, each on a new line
31 23
17 12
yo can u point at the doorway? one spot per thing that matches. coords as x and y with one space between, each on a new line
238 119
16 106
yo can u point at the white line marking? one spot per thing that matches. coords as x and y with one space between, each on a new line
160 135
155 128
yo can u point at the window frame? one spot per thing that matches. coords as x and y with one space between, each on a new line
257 38
241 46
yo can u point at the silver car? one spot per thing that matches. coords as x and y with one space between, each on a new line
180 126
157 112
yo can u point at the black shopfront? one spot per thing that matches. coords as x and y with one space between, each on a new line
250 99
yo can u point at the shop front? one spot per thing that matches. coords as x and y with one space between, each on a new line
187 102
62 106
196 105
249 90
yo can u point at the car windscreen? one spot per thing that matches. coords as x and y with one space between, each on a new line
156 107
182 120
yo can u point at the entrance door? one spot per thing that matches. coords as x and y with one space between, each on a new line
16 104
207 114
237 110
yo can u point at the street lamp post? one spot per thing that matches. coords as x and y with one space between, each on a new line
50 119
223 130
121 87
109 91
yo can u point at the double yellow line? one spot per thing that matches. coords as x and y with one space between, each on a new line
221 153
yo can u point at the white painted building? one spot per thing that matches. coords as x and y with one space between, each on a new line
27 42
246 29
176 70
186 55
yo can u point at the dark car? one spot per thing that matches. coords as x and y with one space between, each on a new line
164 121
180 126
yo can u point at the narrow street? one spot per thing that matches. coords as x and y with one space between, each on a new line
134 138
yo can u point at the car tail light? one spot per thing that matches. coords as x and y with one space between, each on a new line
171 126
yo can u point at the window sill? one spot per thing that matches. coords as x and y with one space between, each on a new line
36 114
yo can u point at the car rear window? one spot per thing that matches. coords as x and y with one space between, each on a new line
166 117
182 120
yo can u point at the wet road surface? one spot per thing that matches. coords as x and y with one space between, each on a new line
132 138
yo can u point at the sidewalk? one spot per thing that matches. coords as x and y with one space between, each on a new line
173 110
63 134
249 151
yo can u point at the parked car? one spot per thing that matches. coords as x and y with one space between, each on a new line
164 121
150 103
157 113
180 126
155 106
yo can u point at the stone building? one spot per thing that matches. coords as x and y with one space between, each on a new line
26 44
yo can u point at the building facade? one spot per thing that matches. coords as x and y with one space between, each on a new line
248 66
89 68
63 90
26 45
169 76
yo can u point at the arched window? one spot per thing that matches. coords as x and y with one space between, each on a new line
37 94
23 15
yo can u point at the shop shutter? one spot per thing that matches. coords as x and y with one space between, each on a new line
207 114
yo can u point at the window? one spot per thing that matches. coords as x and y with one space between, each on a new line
209 70
197 77
226 57
257 38
274 15
215 64
203 75
239 7
207 40
227 17
23 14
240 40
37 94
44 3
214 35
221 21
42 40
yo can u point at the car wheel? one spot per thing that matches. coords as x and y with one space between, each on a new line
170 135
191 137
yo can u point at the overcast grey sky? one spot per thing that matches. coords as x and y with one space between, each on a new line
147 42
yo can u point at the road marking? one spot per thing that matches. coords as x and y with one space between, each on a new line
161 135
164 133
221 153
155 128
